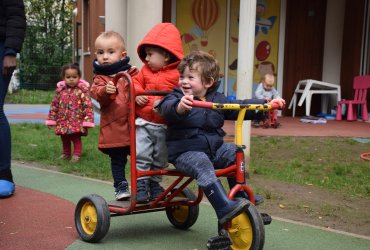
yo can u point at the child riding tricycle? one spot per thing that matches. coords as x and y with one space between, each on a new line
240 224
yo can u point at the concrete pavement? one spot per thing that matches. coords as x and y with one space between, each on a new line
32 113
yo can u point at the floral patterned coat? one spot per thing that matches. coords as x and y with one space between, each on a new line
71 110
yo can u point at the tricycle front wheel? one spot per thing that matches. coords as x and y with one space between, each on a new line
92 218
246 231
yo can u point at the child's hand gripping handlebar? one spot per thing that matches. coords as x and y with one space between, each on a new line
115 81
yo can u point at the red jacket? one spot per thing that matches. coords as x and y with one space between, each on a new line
114 124
166 36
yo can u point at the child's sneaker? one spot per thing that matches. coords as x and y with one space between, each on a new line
142 194
155 189
75 159
64 157
122 192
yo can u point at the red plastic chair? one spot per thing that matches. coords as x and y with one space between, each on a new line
360 86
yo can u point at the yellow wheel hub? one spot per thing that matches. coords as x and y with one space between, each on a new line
241 232
180 213
88 218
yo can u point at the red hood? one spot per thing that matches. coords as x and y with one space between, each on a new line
164 35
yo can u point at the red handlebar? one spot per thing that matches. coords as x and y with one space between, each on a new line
115 81
202 104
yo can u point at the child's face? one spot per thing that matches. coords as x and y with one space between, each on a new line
109 50
71 77
191 83
155 59
268 84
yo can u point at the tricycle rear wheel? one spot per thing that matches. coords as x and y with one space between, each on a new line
92 218
183 217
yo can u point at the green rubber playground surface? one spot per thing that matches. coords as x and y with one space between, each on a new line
154 231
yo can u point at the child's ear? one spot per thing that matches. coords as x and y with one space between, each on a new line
124 54
209 83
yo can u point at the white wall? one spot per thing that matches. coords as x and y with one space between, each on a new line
115 16
333 44
132 19
333 41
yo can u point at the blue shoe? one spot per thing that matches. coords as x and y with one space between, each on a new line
7 188
142 192
122 192
258 199
155 189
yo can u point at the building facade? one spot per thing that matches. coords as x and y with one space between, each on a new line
326 40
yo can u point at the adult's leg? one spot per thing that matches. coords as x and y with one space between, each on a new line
7 187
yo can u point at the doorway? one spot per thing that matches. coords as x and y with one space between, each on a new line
304 47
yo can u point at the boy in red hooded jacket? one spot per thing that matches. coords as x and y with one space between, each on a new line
161 52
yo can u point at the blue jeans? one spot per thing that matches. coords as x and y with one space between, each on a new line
5 141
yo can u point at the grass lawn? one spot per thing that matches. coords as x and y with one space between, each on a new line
24 96
332 162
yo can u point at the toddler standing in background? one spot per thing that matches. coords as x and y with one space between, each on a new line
161 52
71 111
114 137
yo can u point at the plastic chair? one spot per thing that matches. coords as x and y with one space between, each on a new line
309 87
360 86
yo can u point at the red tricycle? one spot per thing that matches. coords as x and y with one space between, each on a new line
270 119
181 204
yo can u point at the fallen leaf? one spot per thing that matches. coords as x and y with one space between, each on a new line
281 206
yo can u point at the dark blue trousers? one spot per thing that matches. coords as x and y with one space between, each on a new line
5 141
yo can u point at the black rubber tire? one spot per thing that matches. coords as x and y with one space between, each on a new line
92 218
183 217
247 230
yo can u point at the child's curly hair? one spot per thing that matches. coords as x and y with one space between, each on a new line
202 62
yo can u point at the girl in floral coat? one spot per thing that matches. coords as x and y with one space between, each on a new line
71 111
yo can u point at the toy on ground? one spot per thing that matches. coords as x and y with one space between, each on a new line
270 119
246 231
365 156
